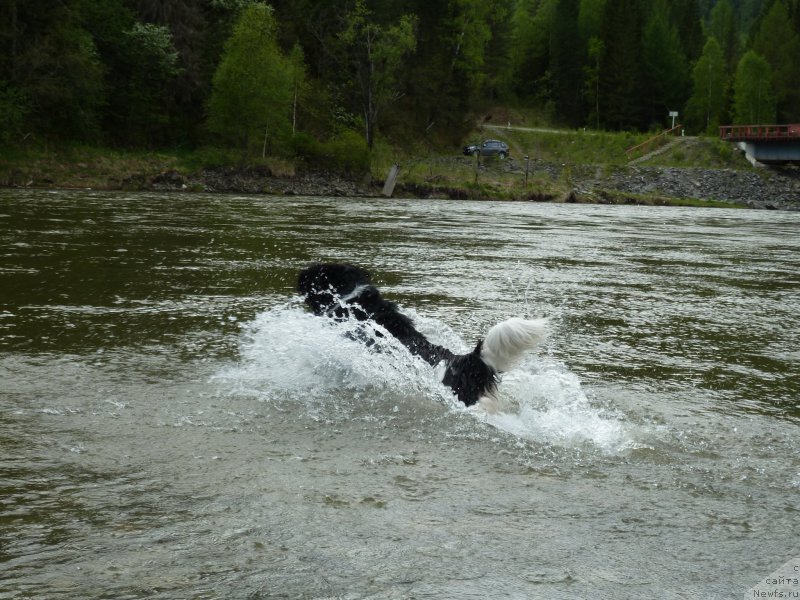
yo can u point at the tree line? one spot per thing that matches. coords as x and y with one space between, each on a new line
294 75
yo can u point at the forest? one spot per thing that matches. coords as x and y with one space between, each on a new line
299 77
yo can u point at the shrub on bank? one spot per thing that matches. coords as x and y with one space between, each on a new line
346 154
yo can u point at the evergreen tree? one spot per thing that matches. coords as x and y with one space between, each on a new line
186 21
793 6
723 28
150 67
198 30
498 67
448 69
141 70
779 44
590 18
50 69
531 54
14 109
747 12
706 107
315 25
566 55
621 88
665 64
686 15
469 33
754 100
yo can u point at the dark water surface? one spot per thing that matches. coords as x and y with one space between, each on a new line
174 425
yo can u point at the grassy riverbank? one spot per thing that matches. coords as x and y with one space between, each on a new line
562 166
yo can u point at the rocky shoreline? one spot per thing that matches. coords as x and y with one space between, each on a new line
252 180
772 188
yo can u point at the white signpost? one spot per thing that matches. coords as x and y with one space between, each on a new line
674 115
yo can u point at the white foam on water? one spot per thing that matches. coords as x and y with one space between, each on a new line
287 353
543 401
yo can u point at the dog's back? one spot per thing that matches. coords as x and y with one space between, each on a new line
345 291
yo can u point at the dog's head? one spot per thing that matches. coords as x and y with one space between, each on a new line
324 285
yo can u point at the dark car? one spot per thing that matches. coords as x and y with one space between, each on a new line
487 148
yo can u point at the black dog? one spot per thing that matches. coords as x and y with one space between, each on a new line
345 291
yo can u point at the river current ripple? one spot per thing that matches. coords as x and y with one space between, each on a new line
173 424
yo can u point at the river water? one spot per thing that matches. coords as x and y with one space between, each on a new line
173 424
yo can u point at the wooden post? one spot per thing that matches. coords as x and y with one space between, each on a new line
391 179
527 162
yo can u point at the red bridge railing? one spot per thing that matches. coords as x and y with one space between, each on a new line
745 133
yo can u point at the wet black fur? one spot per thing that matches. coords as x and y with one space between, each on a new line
329 291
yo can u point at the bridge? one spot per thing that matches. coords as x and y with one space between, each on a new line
772 144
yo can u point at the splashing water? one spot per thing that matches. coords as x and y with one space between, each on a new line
334 367
545 402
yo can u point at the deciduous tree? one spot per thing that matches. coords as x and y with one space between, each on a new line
253 86
706 107
753 97
376 56
592 72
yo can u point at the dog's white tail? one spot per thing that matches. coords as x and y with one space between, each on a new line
508 341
